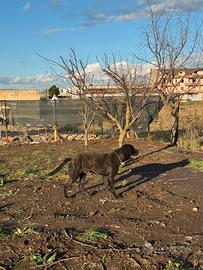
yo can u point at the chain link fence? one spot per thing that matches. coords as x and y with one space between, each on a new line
44 114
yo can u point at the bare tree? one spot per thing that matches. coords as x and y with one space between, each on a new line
78 80
170 44
123 109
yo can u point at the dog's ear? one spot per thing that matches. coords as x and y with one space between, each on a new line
134 151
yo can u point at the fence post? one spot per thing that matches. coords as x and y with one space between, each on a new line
6 120
54 117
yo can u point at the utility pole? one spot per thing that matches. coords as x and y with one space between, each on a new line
23 66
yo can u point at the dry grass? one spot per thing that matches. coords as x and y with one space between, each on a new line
191 125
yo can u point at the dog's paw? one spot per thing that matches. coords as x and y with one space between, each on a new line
71 198
92 193
117 196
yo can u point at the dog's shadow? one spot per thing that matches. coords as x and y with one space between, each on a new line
147 172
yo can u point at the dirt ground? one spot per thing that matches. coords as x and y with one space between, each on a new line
157 224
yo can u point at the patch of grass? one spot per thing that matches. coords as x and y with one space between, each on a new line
93 235
122 168
40 156
3 233
4 169
38 153
32 170
5 194
71 152
123 183
2 181
28 230
38 258
6 179
179 265
64 170
19 160
197 164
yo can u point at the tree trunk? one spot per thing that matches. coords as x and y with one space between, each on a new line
85 123
86 137
122 137
175 127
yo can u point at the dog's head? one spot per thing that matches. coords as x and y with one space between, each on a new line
127 151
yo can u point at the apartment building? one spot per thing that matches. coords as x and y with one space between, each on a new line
188 81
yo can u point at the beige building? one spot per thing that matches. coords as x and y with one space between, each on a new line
188 81
19 94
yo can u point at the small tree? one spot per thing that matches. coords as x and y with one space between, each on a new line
53 90
79 79
170 43
125 109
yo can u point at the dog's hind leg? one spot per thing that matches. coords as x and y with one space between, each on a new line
81 187
82 179
67 186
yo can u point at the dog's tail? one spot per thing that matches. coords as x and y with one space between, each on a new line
60 166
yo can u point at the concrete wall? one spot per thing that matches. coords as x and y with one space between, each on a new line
19 94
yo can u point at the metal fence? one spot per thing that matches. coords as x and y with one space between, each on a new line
46 113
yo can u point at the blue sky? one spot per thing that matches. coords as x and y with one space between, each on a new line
51 27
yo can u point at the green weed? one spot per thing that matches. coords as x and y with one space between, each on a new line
19 160
3 233
93 235
28 171
122 168
6 179
5 194
39 154
2 181
4 169
28 230
123 183
175 266
42 259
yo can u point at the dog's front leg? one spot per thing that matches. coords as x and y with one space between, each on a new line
105 182
81 186
111 187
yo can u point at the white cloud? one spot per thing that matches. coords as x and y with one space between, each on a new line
95 73
98 76
48 31
39 80
26 6
101 15
158 6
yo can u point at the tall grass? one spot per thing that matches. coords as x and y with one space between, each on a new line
190 125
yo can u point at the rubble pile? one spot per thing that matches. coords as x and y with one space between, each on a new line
44 138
